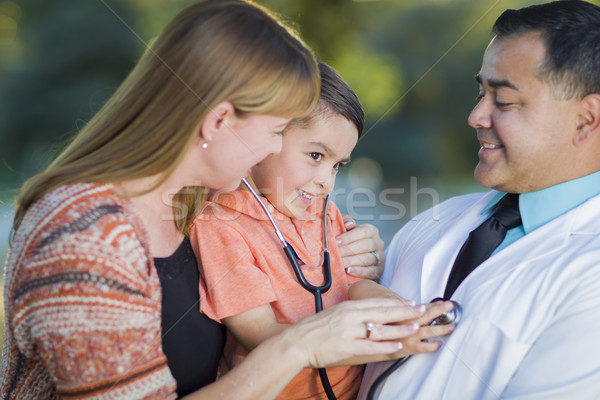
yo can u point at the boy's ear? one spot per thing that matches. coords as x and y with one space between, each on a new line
588 120
215 120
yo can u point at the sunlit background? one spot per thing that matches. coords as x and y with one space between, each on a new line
411 62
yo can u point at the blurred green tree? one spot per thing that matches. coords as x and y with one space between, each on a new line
70 58
411 62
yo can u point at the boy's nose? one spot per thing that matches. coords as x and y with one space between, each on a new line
325 181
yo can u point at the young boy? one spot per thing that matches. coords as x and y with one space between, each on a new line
294 183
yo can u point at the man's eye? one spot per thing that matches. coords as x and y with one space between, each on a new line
502 105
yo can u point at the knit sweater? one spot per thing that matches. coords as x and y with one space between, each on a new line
82 302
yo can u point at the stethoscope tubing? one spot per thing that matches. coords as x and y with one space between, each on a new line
317 291
290 253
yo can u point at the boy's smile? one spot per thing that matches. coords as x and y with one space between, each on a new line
306 197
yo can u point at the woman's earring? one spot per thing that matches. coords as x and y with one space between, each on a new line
204 145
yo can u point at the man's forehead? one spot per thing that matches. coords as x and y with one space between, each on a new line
509 60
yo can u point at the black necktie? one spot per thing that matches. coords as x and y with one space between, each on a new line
483 240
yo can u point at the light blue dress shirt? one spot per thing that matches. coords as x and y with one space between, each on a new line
541 207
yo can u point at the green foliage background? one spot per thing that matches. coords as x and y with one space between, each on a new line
411 63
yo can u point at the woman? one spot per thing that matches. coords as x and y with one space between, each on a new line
207 102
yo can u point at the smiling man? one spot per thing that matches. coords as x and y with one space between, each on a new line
523 260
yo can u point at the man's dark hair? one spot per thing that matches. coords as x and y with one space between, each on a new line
571 31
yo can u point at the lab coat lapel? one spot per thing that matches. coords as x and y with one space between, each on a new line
438 260
544 242
541 243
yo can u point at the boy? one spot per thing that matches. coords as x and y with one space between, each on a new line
294 183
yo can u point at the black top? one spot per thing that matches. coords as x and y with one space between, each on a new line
192 342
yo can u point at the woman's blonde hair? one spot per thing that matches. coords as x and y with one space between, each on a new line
213 51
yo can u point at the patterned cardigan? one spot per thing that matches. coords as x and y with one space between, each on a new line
83 302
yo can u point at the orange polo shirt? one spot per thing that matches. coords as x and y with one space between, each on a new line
244 266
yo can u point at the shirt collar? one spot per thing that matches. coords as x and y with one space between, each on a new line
541 207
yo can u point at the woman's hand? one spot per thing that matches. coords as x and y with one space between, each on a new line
340 332
419 341
357 247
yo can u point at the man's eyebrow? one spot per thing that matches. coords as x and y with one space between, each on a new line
496 83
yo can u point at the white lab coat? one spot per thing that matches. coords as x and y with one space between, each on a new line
531 313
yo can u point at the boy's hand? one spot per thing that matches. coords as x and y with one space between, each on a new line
357 247
418 343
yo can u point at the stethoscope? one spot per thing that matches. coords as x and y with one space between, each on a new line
317 291
449 317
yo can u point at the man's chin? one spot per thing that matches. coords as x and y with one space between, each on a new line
485 177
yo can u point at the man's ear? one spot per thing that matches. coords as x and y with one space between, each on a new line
215 120
588 120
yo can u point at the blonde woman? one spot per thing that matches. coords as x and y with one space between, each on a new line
207 102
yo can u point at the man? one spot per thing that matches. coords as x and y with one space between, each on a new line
531 310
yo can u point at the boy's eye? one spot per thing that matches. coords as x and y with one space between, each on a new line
316 156
479 96
339 165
